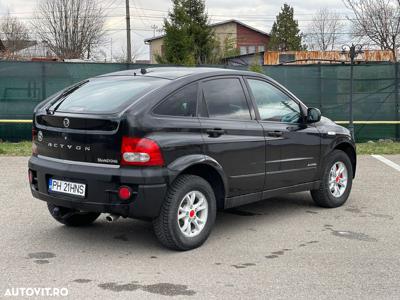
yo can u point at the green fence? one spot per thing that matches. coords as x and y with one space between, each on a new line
376 98
375 95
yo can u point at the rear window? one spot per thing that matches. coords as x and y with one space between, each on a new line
108 94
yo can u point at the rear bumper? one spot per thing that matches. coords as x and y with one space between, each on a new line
102 183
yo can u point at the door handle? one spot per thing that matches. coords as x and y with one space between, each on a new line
215 132
275 133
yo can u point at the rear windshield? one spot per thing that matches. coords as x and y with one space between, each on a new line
109 94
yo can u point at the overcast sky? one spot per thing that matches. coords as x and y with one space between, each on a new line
257 13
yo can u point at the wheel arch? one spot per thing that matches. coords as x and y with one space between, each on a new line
350 150
205 167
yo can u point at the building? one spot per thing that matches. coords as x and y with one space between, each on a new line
312 57
245 38
25 50
36 50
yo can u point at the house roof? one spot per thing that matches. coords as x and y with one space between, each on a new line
17 45
215 25
240 23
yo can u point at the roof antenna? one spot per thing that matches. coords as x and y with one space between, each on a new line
143 71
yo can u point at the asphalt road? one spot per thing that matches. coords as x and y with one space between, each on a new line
282 248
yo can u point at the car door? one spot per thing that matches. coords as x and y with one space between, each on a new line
231 134
175 125
292 146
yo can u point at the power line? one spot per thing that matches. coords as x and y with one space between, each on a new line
110 29
138 13
242 17
167 11
112 2
147 14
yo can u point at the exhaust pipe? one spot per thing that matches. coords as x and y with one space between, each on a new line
112 218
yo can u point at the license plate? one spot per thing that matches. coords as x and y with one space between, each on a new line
66 187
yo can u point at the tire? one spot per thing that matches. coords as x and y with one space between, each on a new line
324 196
169 227
70 217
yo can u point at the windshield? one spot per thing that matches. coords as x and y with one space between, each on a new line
108 94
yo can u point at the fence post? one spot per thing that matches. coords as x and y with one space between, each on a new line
397 106
43 78
320 86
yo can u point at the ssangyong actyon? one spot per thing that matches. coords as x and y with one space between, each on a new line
174 145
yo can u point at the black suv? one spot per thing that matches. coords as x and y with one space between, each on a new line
173 145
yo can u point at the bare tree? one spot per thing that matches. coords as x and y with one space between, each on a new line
14 34
323 32
378 20
121 56
70 28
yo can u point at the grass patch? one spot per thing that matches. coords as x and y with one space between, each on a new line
25 148
16 149
378 148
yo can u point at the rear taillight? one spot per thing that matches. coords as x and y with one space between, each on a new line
34 134
30 176
140 152
34 137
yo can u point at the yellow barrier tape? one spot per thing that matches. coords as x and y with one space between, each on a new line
370 122
15 121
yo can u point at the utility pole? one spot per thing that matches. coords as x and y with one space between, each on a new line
111 50
128 35
154 27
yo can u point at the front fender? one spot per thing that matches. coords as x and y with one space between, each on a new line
337 141
179 165
342 143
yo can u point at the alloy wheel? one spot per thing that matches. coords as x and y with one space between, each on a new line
192 213
338 178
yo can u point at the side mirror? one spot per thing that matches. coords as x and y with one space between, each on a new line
313 115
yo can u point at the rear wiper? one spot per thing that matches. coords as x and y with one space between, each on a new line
60 99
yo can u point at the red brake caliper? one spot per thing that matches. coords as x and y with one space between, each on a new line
340 175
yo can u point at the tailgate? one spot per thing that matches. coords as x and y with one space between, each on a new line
82 139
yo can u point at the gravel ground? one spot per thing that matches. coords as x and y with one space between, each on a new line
282 248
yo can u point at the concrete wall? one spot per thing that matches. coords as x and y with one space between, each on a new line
155 49
224 32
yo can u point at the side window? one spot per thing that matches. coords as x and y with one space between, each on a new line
273 104
225 99
182 103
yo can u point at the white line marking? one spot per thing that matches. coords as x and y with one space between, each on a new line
387 162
